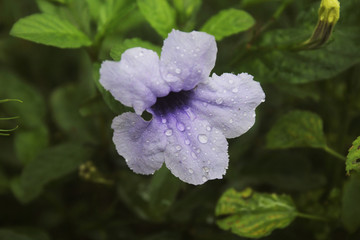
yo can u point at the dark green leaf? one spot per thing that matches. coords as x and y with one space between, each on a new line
228 22
50 164
6 234
29 143
297 129
4 182
159 14
49 30
120 48
353 157
350 204
254 215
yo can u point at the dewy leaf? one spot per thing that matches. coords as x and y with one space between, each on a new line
297 129
49 30
228 22
350 210
254 215
120 48
159 14
50 164
353 157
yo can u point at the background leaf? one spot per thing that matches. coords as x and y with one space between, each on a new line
254 215
120 48
159 14
297 129
49 30
228 22
353 157
350 204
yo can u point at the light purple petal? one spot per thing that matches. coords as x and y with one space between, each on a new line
135 80
228 102
187 59
141 143
196 152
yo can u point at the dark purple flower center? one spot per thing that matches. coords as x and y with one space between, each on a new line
171 103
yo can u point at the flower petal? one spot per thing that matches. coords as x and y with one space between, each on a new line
187 59
196 152
141 143
135 80
228 102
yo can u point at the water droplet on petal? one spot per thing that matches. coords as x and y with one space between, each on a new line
178 70
177 47
187 142
231 121
203 138
178 147
191 171
231 81
235 90
208 128
190 114
163 120
219 101
204 178
254 115
168 132
193 155
180 126
141 53
206 169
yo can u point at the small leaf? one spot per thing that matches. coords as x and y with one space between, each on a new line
297 129
29 143
228 22
50 164
49 30
120 48
353 157
350 210
254 215
159 14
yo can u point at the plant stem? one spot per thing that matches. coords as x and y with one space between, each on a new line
10 100
313 217
334 153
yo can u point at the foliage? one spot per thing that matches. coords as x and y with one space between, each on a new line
294 175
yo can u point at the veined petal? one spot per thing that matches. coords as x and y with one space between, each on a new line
187 59
141 143
135 80
196 151
228 102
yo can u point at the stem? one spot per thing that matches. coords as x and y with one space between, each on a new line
312 217
10 100
334 153
9 118
9 130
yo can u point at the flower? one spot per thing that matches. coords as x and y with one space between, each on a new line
193 113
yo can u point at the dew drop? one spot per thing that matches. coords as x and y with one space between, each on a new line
180 126
206 169
203 138
177 47
178 70
191 171
163 120
178 147
187 142
231 81
204 178
208 128
193 155
231 121
141 54
235 90
168 132
254 115
219 101
190 114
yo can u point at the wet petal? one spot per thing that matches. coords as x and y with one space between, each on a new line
141 143
228 102
187 59
135 80
196 151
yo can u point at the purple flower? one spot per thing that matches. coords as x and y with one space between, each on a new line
193 113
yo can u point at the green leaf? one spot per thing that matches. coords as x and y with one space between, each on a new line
114 105
187 7
254 215
120 48
162 191
29 143
32 110
350 210
297 129
7 234
49 30
51 164
228 22
65 104
277 60
159 14
353 157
